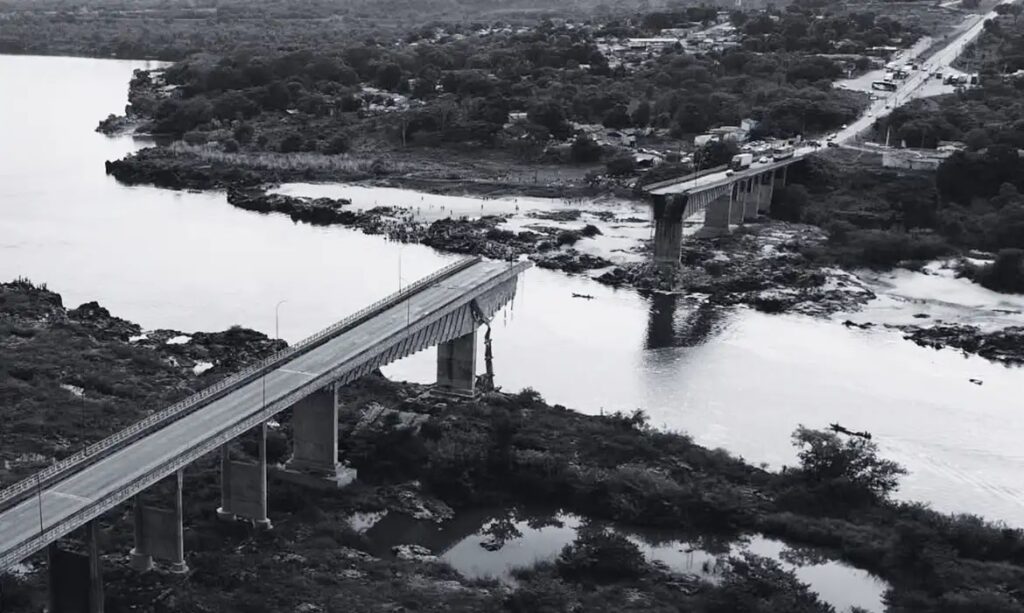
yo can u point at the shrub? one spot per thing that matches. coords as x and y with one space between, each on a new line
291 143
621 166
845 470
1006 274
338 144
590 231
601 556
568 237
585 151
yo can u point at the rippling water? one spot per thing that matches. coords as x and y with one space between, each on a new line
734 378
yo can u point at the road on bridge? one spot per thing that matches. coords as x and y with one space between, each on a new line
104 478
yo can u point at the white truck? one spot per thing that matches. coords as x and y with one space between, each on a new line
741 161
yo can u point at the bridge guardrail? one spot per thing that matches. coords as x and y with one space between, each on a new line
199 448
99 448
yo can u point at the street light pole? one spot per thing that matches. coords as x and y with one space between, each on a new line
277 319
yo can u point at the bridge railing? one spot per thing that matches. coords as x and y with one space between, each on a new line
98 449
95 508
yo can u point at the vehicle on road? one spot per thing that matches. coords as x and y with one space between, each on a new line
764 159
741 161
888 86
833 143
782 153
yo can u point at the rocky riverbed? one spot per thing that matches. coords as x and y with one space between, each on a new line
431 460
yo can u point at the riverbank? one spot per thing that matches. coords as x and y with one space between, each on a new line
420 455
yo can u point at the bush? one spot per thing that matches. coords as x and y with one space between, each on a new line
601 556
590 231
568 237
585 151
338 144
230 145
621 166
1006 274
291 143
845 470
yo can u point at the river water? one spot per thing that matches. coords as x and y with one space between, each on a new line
190 261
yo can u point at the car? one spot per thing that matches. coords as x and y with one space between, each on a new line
833 143
764 159
844 126
830 137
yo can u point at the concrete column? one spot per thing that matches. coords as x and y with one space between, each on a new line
764 202
76 579
779 177
716 219
753 198
739 197
668 227
140 561
159 533
315 433
456 364
95 570
224 510
244 485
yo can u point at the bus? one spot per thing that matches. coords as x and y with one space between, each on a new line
781 153
887 86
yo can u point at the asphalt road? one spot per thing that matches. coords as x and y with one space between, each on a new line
914 85
105 477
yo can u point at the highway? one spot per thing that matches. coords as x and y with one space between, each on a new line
941 60
353 347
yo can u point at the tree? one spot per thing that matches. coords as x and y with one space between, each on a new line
715 153
291 143
789 202
617 118
585 150
551 115
388 76
642 115
848 469
243 133
338 144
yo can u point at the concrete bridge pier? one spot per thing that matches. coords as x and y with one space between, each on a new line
717 216
159 533
739 197
456 365
668 227
767 189
753 198
76 579
315 433
243 485
314 458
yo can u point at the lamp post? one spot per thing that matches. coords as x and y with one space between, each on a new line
277 319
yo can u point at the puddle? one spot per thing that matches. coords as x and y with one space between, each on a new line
487 544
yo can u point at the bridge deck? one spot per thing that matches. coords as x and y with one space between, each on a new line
103 479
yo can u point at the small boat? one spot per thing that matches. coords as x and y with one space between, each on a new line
837 428
584 296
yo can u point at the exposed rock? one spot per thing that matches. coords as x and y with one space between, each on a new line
1006 345
415 553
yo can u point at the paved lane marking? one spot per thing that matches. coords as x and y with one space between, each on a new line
297 372
71 496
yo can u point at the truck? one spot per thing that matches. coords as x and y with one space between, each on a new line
741 161
781 153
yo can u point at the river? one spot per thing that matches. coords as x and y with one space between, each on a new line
190 261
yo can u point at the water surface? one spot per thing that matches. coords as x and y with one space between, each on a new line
734 378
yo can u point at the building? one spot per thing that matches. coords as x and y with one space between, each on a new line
914 159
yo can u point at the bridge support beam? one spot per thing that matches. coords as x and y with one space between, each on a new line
716 218
668 227
750 206
76 580
739 197
767 189
159 533
243 485
315 433
456 365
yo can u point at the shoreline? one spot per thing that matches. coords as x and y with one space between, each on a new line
635 475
